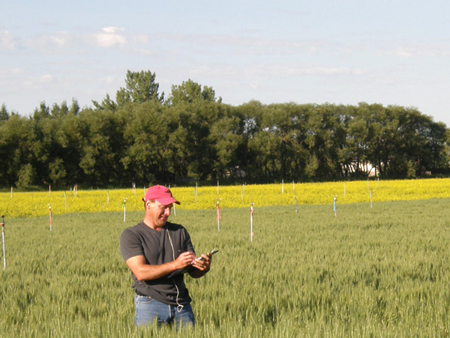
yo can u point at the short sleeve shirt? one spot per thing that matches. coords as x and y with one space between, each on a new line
158 247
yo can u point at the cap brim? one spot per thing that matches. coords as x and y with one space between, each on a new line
167 201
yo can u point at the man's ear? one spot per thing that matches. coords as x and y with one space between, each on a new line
148 204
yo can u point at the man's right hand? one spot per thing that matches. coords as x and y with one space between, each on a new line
185 259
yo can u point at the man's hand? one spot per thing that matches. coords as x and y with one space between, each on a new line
201 265
144 271
185 259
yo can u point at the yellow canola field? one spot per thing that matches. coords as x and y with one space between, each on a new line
33 204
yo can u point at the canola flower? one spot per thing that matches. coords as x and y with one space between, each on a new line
33 204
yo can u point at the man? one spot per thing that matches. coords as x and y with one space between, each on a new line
158 252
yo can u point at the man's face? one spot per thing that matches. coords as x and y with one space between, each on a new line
159 213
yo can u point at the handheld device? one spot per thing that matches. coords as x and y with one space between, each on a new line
189 268
212 252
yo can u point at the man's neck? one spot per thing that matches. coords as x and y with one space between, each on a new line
151 225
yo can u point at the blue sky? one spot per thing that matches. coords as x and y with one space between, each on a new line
340 52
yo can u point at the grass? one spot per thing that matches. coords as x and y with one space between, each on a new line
369 272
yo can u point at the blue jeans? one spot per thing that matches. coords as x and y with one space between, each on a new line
148 310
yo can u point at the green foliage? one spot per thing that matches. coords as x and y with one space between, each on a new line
107 104
4 115
147 138
140 87
369 272
190 92
25 176
193 136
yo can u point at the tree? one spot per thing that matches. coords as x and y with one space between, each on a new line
17 140
193 135
191 92
107 104
250 117
197 119
325 136
4 115
140 87
45 147
25 176
101 149
421 145
225 138
354 157
69 138
57 172
146 135
41 113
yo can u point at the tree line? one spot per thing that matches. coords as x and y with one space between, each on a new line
141 137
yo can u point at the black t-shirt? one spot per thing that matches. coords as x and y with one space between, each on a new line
158 247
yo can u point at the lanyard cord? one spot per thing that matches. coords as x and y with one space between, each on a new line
179 306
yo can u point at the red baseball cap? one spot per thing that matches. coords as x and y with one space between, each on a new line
161 194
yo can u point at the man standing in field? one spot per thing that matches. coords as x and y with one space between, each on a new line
158 252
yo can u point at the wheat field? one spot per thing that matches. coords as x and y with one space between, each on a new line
377 270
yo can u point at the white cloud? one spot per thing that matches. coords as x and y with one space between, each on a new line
111 37
260 46
47 78
32 81
315 70
112 30
74 43
140 39
109 79
60 39
8 41
49 43
422 50
254 85
291 70
7 72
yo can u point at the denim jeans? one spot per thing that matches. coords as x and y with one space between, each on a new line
148 310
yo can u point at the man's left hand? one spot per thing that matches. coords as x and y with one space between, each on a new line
203 263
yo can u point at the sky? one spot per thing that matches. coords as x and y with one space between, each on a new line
336 51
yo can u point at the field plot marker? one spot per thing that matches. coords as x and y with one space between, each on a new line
296 209
251 222
195 193
3 241
50 215
371 198
124 209
218 216
334 206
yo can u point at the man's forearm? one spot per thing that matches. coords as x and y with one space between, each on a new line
195 273
152 272
143 271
